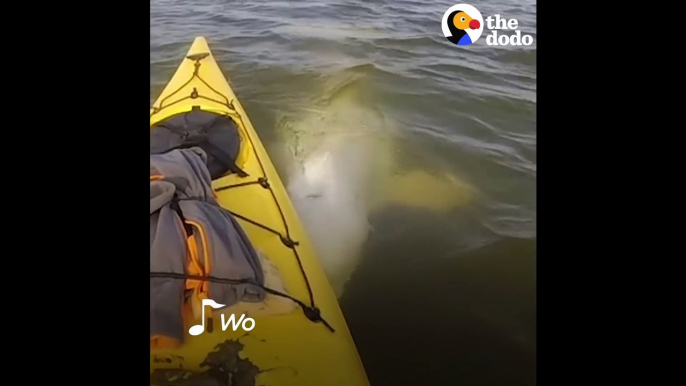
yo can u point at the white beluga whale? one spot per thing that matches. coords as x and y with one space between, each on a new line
344 168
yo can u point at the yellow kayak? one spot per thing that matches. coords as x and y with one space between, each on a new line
289 344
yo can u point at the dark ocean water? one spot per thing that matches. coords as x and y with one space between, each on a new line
349 96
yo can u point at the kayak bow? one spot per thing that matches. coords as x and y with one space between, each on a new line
289 344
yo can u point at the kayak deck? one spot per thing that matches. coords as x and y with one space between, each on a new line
284 347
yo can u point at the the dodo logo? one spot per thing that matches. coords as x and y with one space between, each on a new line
462 24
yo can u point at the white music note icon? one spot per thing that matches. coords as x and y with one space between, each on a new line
199 328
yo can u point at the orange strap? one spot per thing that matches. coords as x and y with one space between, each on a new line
160 342
200 289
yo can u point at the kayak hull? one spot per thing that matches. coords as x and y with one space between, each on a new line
283 347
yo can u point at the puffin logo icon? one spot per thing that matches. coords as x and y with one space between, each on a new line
462 24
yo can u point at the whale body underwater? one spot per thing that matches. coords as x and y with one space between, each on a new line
344 167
